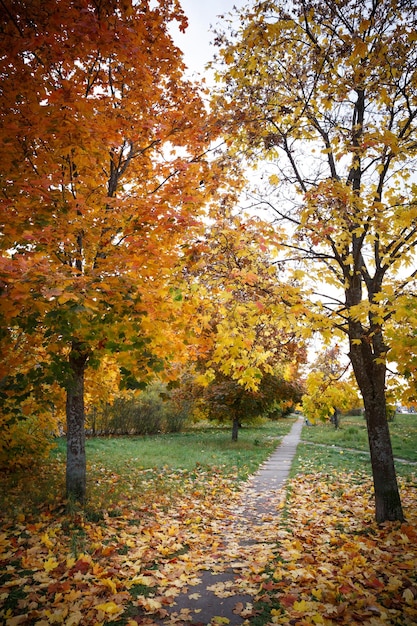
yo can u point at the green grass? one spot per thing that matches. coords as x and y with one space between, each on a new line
119 467
207 448
352 433
161 465
311 459
333 450
204 447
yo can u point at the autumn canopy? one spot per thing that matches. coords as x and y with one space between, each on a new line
326 92
121 244
103 146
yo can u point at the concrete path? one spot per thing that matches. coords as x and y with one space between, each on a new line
246 538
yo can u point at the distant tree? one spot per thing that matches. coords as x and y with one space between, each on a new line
248 345
245 311
228 401
326 398
328 392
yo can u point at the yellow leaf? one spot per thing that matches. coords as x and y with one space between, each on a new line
70 561
194 596
317 593
149 604
364 25
301 606
408 596
74 619
50 564
107 582
109 607
148 581
361 49
45 540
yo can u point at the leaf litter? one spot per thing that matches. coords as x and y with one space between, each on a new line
311 554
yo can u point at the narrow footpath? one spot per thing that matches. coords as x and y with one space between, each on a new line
245 538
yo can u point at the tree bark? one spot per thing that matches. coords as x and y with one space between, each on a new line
76 459
235 428
370 377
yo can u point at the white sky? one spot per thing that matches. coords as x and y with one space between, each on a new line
195 42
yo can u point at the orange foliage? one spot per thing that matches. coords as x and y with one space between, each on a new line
105 148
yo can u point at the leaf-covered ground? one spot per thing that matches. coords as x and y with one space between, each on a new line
337 566
315 558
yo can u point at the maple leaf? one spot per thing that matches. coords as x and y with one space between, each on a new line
74 619
109 607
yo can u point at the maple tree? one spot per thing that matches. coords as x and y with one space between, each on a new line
227 400
328 392
326 92
104 147
248 347
244 323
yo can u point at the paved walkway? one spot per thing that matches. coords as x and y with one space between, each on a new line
245 538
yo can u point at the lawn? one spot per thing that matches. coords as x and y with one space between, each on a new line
120 466
346 448
159 506
352 434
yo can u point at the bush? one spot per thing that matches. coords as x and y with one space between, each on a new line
178 413
135 415
24 442
152 411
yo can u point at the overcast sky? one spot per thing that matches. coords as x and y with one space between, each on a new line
195 43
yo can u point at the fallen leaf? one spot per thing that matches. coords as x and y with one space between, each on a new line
109 607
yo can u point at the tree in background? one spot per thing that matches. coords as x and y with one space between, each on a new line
228 401
249 352
103 146
328 393
245 308
327 92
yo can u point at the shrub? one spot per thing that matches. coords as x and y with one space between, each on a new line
152 411
24 442
133 415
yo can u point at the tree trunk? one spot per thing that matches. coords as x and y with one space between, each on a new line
335 418
370 377
76 460
235 428
387 497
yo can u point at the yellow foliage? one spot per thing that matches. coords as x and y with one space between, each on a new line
26 440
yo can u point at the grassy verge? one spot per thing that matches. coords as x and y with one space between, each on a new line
353 434
118 468
207 447
326 449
